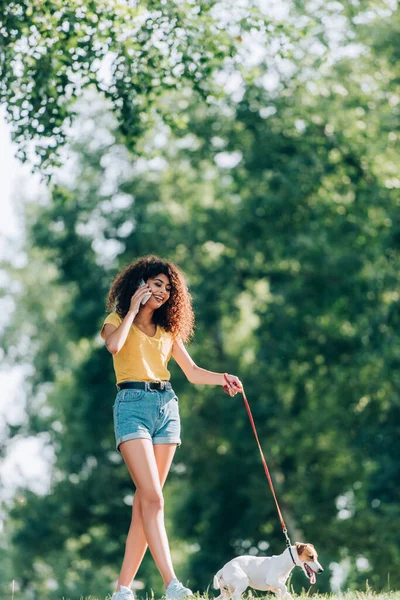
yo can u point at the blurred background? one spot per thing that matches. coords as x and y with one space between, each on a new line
256 145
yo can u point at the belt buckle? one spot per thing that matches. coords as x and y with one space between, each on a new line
157 385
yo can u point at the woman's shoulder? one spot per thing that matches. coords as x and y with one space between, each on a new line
114 315
113 318
165 333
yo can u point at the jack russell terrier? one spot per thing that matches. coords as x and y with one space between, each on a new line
266 573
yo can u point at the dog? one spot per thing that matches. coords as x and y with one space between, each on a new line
266 573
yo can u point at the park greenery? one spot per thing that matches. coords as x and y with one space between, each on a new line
256 145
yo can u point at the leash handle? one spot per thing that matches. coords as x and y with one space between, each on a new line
288 543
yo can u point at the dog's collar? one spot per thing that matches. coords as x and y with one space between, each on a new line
291 556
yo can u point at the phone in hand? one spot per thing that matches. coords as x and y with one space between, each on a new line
147 296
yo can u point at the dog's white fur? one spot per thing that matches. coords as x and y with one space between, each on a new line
268 573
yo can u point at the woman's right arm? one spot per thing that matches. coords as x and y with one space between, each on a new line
115 337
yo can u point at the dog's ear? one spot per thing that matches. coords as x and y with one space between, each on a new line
300 547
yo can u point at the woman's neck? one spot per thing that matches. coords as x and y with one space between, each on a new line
143 323
145 317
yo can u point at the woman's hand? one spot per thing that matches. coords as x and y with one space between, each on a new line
232 384
138 297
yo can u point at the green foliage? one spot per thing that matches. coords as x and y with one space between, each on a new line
281 206
53 50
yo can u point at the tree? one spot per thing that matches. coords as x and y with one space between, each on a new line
280 204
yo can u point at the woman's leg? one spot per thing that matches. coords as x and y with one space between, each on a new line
135 546
136 543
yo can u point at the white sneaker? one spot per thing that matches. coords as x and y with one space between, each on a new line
124 593
176 590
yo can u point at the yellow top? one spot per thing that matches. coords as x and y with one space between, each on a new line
141 358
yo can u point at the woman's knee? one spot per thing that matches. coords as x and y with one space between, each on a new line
136 506
151 499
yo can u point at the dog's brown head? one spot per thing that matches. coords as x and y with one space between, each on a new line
308 558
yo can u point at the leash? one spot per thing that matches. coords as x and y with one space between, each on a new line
284 529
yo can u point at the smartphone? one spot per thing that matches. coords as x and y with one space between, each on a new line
147 296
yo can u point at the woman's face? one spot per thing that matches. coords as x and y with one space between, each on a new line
161 289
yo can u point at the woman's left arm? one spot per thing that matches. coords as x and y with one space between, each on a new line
196 374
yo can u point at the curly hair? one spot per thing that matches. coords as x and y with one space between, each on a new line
176 315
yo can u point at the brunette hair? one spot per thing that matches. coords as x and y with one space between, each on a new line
176 315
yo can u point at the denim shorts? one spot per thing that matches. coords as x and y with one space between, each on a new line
147 414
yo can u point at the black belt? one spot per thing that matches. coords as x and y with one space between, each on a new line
145 385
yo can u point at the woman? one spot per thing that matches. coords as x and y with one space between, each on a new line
149 324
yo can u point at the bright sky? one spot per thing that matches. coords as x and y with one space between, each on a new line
26 459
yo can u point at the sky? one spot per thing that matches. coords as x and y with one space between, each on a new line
26 459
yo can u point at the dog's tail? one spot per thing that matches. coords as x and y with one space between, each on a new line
216 579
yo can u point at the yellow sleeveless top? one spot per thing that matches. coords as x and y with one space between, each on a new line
141 358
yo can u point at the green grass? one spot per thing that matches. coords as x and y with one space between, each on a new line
368 595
